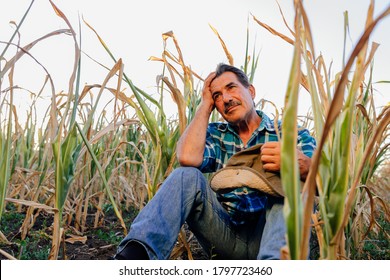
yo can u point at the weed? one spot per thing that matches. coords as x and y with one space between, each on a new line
34 249
11 221
110 236
377 245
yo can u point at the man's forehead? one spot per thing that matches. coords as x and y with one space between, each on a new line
223 80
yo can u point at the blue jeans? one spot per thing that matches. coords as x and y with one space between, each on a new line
185 196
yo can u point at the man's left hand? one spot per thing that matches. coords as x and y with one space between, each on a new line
271 158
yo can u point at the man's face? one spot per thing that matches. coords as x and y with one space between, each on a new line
232 100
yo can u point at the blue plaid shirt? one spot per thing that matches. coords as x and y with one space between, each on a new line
222 141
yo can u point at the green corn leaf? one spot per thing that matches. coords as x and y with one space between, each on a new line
5 162
148 118
289 162
103 177
65 156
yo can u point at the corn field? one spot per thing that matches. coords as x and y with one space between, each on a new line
80 160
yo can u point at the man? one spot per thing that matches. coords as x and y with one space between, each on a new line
253 230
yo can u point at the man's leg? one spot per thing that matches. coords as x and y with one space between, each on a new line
184 194
274 233
219 237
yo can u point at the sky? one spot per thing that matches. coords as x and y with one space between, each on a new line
133 31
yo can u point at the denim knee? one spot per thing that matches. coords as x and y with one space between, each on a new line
190 177
159 222
187 172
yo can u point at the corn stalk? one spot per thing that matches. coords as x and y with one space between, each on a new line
293 206
67 149
5 156
333 157
334 119
5 138
163 137
103 177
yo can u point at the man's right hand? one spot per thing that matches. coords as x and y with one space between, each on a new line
191 144
207 97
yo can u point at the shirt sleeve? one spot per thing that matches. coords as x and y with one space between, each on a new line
306 143
209 154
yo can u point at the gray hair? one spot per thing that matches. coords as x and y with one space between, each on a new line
241 76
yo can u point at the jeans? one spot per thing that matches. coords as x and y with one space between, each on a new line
185 196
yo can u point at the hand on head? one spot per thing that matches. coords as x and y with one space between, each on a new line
207 97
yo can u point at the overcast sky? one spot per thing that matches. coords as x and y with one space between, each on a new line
133 29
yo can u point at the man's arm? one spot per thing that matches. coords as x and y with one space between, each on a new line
191 144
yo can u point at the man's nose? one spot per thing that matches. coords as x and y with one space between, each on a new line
226 97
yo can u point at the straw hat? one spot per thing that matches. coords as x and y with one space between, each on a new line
245 168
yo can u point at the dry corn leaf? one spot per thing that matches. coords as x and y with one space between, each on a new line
181 103
75 238
8 256
228 54
335 109
4 239
284 19
31 204
26 49
383 123
273 31
111 127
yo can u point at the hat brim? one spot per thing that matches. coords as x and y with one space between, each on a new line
239 176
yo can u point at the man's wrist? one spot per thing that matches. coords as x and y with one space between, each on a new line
206 107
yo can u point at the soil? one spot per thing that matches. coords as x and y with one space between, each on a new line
96 243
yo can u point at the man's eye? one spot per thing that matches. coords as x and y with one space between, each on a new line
216 96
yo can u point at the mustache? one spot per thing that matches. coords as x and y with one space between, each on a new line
230 104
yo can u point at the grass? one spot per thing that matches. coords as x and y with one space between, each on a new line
102 241
37 245
34 248
376 246
11 220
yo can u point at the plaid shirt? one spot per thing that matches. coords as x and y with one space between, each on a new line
222 142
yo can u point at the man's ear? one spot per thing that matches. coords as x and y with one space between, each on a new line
252 91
